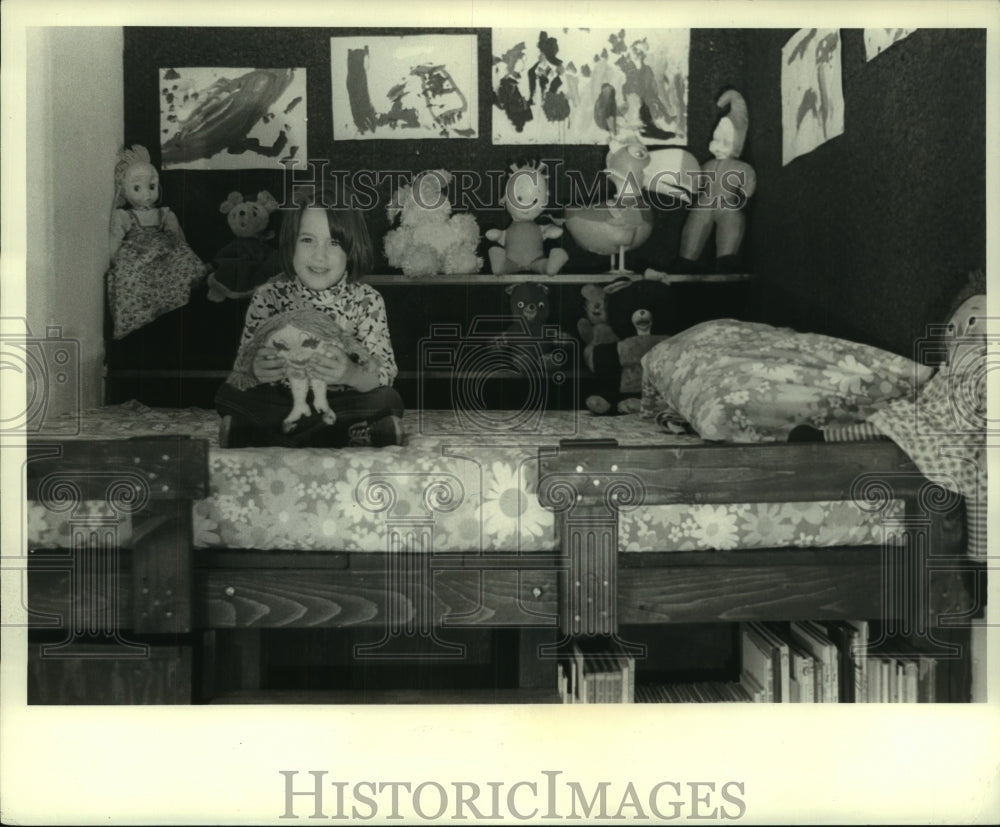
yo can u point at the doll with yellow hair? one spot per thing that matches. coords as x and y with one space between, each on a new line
152 267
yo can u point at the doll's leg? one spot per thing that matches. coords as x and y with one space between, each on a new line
300 405
320 402
861 432
694 236
554 263
607 370
730 226
498 260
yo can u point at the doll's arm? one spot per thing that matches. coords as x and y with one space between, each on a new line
551 231
171 223
119 226
496 235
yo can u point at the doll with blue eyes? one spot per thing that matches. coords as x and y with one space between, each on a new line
152 267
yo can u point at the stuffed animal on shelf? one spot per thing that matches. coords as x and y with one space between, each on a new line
641 314
521 245
625 221
430 239
529 302
248 260
669 171
728 185
530 305
152 267
299 336
594 329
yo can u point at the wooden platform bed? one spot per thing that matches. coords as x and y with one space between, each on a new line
156 622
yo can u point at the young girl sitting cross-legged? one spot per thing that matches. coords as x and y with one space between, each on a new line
324 250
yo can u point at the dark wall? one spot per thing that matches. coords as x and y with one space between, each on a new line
868 236
716 61
203 335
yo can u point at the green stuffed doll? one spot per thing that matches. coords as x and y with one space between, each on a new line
521 247
728 184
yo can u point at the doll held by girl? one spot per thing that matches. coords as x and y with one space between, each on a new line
324 250
152 267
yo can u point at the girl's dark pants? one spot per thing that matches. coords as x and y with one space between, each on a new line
257 416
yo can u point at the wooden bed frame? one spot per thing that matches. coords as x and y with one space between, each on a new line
147 624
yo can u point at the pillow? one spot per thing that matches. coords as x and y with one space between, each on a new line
740 381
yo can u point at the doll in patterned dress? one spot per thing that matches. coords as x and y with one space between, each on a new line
152 267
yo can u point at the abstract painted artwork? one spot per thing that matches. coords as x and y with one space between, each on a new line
812 97
582 86
878 40
406 87
214 118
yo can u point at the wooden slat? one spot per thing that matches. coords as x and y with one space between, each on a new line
97 674
726 473
288 598
706 594
681 587
161 568
164 468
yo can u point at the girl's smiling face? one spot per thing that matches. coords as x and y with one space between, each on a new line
319 260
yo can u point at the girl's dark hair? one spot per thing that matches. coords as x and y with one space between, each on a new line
347 224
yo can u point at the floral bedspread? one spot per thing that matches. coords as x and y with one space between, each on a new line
467 484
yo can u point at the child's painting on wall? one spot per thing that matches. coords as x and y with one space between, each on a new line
812 97
585 86
878 40
411 86
220 118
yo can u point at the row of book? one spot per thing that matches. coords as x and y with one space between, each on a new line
698 692
829 662
797 662
601 672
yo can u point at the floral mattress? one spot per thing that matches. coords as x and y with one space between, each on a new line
466 482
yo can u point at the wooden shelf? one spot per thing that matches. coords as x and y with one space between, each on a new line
560 278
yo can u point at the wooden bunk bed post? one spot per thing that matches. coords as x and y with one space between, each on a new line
921 576
152 481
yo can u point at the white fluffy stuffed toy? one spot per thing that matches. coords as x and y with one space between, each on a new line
429 239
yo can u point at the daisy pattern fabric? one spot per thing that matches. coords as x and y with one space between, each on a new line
736 381
473 491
